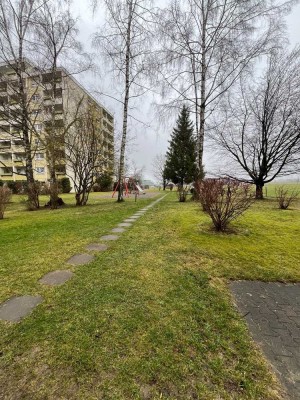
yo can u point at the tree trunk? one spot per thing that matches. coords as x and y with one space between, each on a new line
126 101
200 138
259 195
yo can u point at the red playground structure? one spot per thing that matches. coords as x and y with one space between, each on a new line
130 184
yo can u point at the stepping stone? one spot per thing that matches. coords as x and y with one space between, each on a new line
56 278
97 247
109 237
118 230
80 259
13 310
128 220
125 225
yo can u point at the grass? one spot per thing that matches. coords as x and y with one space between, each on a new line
152 318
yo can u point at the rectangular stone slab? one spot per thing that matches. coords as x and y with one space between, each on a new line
80 259
56 278
16 308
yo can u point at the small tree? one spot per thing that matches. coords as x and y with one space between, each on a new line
5 196
224 200
180 164
285 197
84 156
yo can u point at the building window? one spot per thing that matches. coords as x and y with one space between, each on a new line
39 156
38 127
35 97
35 112
40 170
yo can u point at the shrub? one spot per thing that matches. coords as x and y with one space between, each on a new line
17 187
224 200
96 188
33 192
285 197
65 185
5 196
1 183
105 182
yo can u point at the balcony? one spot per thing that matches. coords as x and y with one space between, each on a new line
6 171
48 93
50 78
5 145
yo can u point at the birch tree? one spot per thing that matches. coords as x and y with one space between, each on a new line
125 42
17 108
260 130
208 44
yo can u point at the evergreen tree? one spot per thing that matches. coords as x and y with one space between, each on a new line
180 164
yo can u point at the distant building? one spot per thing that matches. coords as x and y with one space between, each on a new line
38 90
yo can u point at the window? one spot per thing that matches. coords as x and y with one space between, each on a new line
40 170
35 112
35 97
39 156
38 127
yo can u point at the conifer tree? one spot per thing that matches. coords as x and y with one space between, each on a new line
180 164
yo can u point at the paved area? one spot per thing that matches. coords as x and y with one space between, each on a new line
56 278
16 308
272 312
80 259
125 225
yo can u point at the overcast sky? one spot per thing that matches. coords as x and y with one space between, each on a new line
152 138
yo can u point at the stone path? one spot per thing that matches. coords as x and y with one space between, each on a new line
272 312
16 308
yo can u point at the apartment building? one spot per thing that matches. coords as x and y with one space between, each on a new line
39 92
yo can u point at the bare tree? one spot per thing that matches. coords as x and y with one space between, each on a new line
125 42
57 45
84 153
261 126
16 106
207 45
159 169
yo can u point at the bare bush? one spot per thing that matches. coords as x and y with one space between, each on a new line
5 196
285 197
224 200
33 191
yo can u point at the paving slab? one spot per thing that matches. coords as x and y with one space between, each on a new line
16 308
118 230
125 225
128 220
97 247
110 237
80 259
272 312
56 278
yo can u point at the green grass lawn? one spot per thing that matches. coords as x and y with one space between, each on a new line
151 318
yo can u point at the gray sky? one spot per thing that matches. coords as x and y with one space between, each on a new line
152 140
